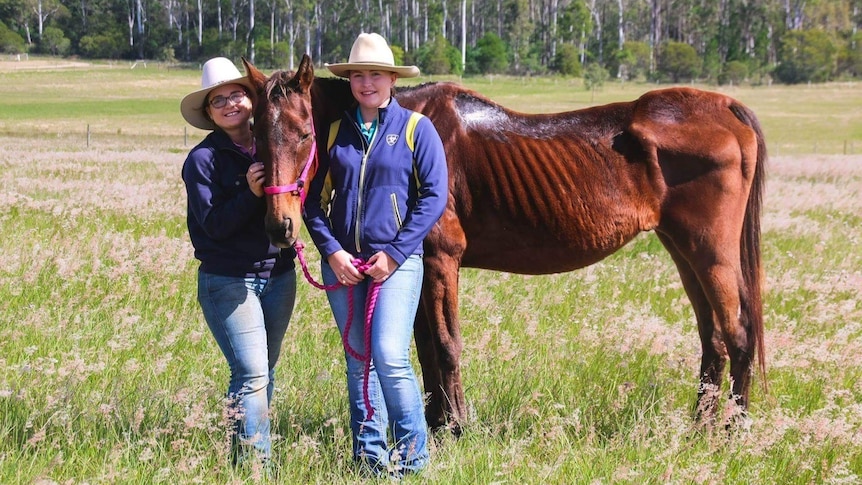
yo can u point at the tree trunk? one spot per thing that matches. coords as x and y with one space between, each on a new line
250 38
39 18
200 22
463 35
621 26
655 32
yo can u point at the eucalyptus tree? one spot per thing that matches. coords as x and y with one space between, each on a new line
44 9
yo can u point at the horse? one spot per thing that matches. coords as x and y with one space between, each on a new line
549 193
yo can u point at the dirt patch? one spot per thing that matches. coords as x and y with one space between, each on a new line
13 63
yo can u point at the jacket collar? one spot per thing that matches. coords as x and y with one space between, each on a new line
382 113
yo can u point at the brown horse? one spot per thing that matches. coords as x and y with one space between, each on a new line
549 193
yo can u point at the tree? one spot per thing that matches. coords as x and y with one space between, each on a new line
10 41
43 9
805 56
431 57
575 25
594 77
734 72
679 61
519 30
632 61
626 37
54 42
567 62
850 59
104 46
489 56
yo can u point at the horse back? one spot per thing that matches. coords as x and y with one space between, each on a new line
555 192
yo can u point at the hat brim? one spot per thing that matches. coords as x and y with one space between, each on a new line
343 69
192 106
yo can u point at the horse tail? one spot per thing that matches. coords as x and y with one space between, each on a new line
750 248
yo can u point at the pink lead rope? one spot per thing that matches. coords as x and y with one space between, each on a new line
370 303
298 188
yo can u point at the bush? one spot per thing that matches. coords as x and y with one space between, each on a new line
733 72
398 54
439 57
632 61
10 41
805 56
679 61
54 42
167 54
850 59
102 46
567 62
489 55
595 76
272 56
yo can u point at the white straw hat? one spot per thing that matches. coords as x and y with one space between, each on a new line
216 71
371 52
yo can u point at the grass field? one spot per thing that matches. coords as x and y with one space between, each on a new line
109 375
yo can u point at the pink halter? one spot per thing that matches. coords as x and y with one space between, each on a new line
297 188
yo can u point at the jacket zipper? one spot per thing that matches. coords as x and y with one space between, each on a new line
362 167
395 211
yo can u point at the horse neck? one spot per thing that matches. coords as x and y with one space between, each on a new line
329 98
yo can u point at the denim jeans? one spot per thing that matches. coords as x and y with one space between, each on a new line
248 318
392 384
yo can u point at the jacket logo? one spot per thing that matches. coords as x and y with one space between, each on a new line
391 139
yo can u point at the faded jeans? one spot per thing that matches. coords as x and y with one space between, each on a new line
248 318
393 387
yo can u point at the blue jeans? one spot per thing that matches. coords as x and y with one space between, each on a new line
248 318
392 384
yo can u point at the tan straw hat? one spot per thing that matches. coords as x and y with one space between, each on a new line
216 71
371 52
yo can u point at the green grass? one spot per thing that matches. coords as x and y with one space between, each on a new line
108 373
141 104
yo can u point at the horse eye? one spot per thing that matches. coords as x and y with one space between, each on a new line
305 136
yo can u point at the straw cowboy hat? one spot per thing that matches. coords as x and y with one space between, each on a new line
371 52
216 71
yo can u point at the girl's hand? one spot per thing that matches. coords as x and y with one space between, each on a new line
255 177
341 263
382 265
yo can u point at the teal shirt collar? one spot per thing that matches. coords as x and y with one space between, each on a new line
368 133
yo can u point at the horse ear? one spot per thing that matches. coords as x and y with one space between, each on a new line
257 78
305 73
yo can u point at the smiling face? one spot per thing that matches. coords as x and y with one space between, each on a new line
372 89
236 110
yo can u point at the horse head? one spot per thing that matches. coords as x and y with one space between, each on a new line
286 145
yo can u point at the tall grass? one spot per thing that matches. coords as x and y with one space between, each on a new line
109 375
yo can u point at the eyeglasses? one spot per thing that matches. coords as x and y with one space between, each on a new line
235 97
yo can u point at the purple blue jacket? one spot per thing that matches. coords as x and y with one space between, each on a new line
225 218
380 196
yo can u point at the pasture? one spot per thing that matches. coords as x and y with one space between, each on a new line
108 373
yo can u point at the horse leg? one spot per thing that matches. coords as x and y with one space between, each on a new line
434 410
446 406
714 354
714 259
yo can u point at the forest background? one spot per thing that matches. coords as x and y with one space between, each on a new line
713 41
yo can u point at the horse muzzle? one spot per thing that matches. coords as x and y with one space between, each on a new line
282 232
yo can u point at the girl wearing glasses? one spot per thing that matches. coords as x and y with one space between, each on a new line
246 286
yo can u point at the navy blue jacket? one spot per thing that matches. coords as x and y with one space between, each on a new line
380 196
225 218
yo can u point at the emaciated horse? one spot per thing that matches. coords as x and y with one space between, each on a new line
549 193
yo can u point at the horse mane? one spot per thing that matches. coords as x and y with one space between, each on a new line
283 80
